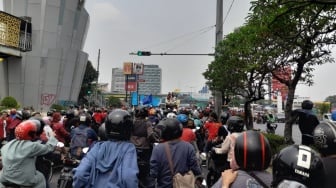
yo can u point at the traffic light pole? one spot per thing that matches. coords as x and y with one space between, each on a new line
140 53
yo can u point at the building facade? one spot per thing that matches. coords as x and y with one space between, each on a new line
118 80
150 82
54 69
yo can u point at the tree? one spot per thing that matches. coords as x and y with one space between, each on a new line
114 102
303 33
9 102
90 75
238 70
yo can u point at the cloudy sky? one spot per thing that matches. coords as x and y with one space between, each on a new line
118 27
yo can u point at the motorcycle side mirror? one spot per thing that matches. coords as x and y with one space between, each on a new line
85 150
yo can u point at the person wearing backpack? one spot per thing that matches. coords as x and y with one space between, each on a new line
82 136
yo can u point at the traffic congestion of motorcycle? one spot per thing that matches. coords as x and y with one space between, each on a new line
75 143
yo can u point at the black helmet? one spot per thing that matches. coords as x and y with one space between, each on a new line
102 132
170 128
118 125
141 113
70 114
325 138
39 124
85 118
235 124
307 104
224 117
18 115
252 151
298 163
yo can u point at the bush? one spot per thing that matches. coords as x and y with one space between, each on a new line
57 107
276 142
9 102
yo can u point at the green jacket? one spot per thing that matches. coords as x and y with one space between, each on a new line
18 159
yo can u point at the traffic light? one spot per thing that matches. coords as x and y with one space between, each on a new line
143 53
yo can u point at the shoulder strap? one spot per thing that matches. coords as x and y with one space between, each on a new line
169 158
258 179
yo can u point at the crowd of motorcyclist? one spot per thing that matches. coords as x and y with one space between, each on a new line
128 148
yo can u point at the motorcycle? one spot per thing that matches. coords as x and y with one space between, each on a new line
271 127
66 177
216 164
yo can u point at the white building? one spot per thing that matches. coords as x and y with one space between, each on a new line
54 69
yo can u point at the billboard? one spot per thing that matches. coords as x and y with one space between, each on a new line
131 86
138 68
128 68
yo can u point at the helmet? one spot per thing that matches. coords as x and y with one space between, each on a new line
252 151
307 104
118 125
171 115
298 163
26 130
85 118
102 132
182 118
25 114
141 113
235 124
39 124
224 117
170 128
325 138
70 114
18 115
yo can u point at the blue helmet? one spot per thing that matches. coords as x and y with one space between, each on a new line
182 118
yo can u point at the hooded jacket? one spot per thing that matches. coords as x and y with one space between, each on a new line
108 164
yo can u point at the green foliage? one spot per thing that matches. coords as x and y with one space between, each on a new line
90 76
276 142
57 107
114 102
9 102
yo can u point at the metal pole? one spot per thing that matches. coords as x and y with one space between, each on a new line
97 74
219 36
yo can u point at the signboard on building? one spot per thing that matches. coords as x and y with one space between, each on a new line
128 68
138 68
131 86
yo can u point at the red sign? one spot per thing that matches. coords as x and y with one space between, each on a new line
131 86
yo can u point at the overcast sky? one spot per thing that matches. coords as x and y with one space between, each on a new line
119 27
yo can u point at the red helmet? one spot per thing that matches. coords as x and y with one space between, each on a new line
26 130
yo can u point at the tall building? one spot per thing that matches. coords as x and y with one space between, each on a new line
118 80
54 69
150 82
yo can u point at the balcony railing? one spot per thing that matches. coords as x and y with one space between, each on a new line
15 32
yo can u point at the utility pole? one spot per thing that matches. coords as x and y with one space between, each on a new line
97 75
219 37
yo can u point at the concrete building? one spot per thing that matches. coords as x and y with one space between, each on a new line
54 68
149 83
152 78
118 80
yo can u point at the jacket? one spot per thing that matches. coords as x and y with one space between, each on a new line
183 158
18 159
109 164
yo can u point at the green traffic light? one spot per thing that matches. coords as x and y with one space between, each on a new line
143 53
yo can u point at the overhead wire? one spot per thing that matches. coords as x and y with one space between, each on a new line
200 32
